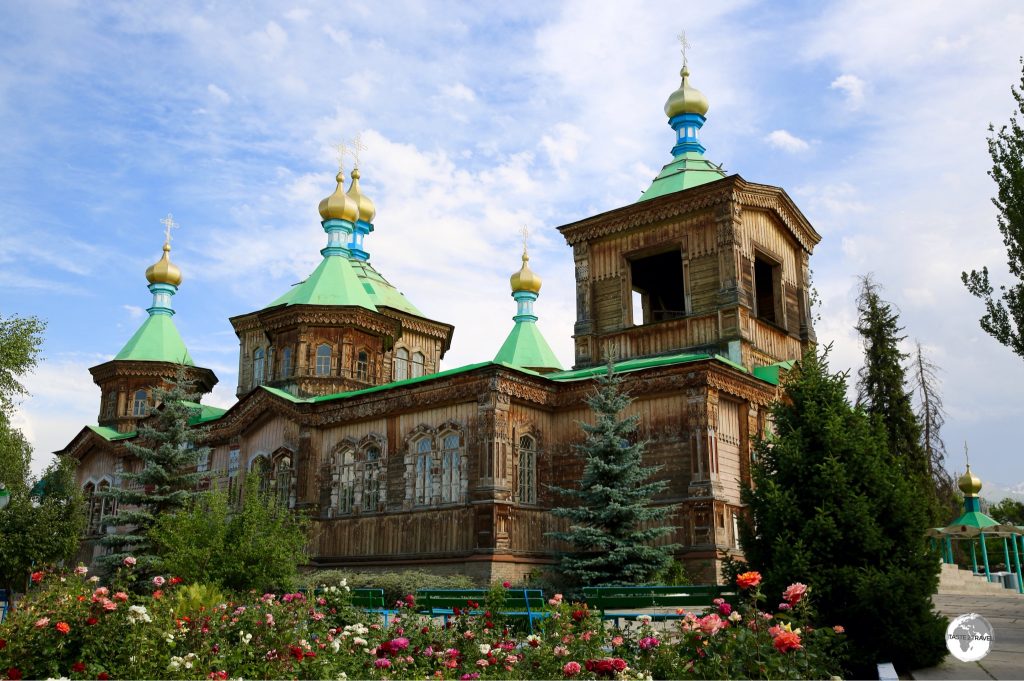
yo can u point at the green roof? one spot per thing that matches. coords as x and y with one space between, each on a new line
772 373
157 340
110 434
627 365
333 282
973 519
525 347
687 170
381 292
206 413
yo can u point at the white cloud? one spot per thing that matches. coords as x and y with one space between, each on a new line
562 144
787 141
338 36
458 92
852 87
218 94
134 311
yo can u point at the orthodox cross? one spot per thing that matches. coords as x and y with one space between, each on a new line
169 224
684 44
525 231
357 146
341 150
966 455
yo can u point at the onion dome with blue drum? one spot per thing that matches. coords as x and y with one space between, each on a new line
686 109
364 223
525 346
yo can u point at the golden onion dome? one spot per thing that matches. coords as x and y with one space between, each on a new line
367 211
969 483
686 99
163 271
525 279
339 205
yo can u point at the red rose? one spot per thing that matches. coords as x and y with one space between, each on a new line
507 585
62 627
786 641
748 580
175 580
78 667
578 615
103 676
3 644
37 576
14 673
91 621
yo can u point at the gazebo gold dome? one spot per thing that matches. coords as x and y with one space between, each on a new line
367 211
687 99
525 279
339 205
969 483
163 271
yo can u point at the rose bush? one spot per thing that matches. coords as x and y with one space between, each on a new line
70 626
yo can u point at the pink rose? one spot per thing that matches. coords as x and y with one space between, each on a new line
81 570
571 668
100 592
129 561
785 606
382 663
159 581
120 596
794 592
42 622
507 585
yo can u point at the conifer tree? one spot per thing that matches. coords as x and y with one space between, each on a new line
1004 313
831 508
613 523
882 388
166 449
931 415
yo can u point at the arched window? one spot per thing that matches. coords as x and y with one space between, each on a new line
140 406
323 360
451 479
401 364
261 467
417 364
526 474
372 473
421 482
283 481
110 405
346 494
286 363
92 508
257 367
107 505
362 366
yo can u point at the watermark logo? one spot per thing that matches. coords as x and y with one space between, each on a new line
969 637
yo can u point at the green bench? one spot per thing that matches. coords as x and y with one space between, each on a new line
366 599
526 604
620 602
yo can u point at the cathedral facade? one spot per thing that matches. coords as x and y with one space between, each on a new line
698 293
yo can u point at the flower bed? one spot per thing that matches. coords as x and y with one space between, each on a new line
71 626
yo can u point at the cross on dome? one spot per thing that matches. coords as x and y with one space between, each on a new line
357 146
684 44
341 149
169 224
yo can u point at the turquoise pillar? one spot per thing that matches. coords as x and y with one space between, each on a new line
1006 554
984 555
974 557
949 549
1016 564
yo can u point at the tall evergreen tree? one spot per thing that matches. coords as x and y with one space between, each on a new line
882 387
931 416
166 448
831 508
613 523
1004 314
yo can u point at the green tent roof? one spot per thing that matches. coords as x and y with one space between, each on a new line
157 340
110 434
687 170
526 347
973 519
381 292
333 282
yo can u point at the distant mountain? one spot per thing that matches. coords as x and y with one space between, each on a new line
993 492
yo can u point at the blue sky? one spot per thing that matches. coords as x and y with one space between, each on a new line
872 115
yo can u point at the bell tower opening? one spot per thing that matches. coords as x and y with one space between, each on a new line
767 278
659 292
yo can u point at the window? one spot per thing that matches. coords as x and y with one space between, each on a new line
261 467
286 363
527 471
110 405
421 482
91 507
140 407
346 481
203 462
450 469
283 481
658 288
401 364
257 367
323 360
362 366
417 364
372 471
233 457
767 282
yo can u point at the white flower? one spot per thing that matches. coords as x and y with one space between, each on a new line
175 662
484 648
644 619
735 616
335 645
342 676
94 579
245 637
137 613
344 583
359 641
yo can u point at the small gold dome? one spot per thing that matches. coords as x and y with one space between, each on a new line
525 279
686 99
339 205
969 483
367 211
163 271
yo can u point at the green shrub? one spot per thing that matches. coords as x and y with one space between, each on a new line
396 585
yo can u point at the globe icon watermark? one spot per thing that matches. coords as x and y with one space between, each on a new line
969 637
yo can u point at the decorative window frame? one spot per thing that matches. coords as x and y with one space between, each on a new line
530 467
430 477
400 364
136 402
317 356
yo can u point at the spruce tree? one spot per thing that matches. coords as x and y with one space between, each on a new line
829 507
932 416
883 391
1004 313
613 523
165 481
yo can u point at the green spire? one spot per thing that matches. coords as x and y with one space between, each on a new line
333 282
526 347
157 340
380 290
